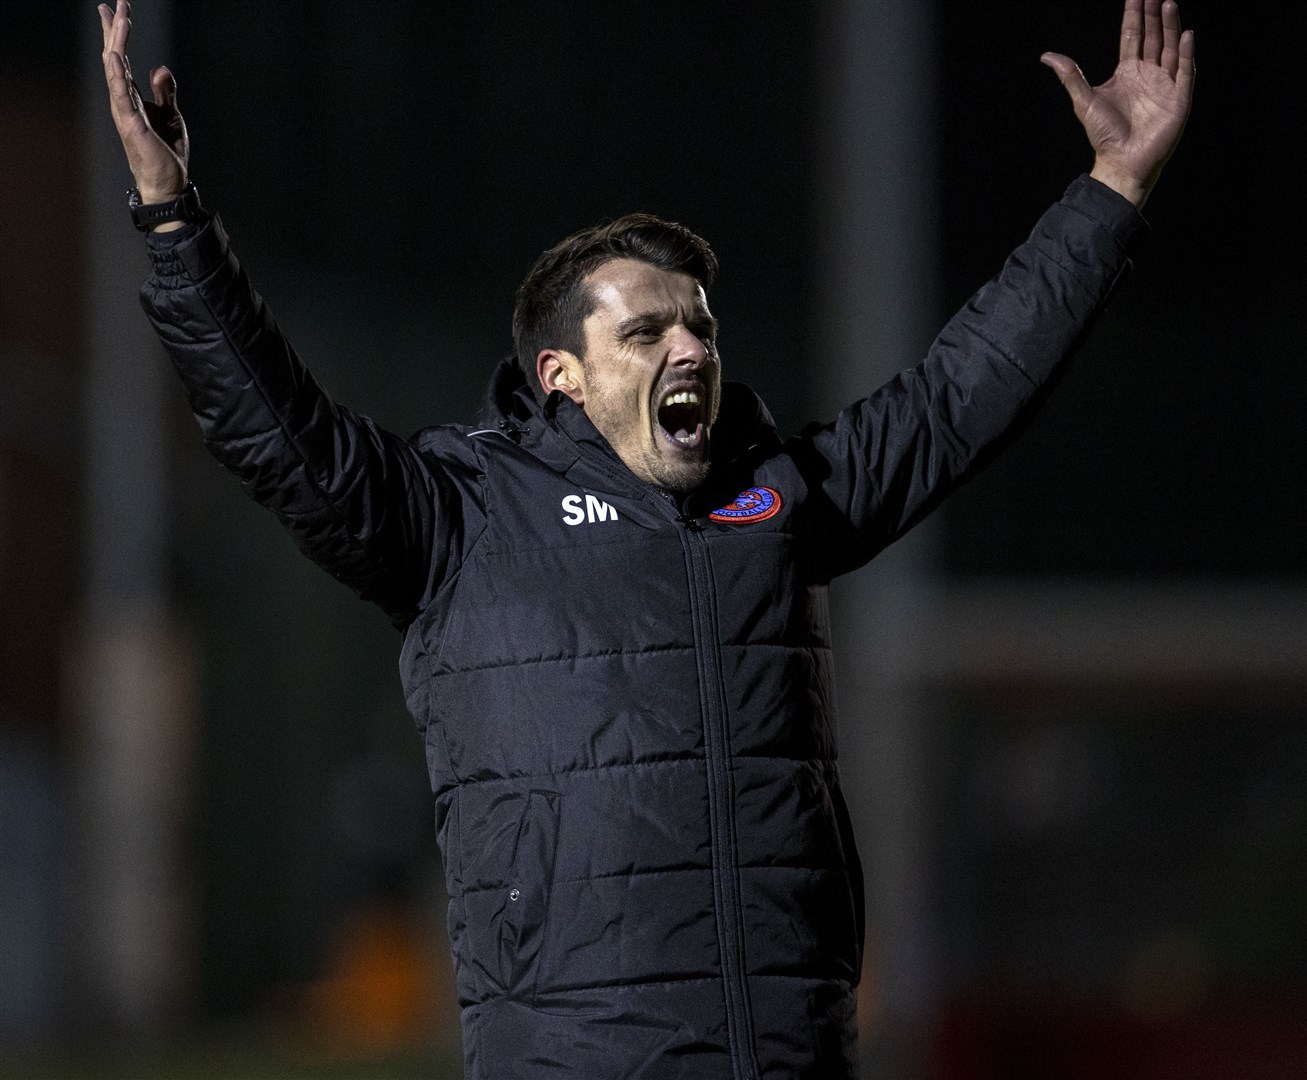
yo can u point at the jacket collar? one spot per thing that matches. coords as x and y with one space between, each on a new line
560 434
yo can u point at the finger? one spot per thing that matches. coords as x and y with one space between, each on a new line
121 29
1152 50
133 91
164 85
106 23
120 97
1187 72
1070 75
1170 37
1132 30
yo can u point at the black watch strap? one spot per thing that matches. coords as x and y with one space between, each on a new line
145 216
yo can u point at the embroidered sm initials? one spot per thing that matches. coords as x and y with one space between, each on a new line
595 510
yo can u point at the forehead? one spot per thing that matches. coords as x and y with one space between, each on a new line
625 287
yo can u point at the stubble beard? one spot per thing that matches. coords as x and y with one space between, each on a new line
651 463
678 477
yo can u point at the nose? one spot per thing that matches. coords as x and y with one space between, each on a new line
687 349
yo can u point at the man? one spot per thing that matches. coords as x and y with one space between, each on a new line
613 592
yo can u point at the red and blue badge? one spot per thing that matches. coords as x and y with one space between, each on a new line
749 506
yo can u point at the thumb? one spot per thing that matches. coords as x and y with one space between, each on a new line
1068 71
164 86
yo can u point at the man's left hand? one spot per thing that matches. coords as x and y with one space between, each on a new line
1134 120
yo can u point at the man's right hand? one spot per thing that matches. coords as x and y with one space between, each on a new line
153 133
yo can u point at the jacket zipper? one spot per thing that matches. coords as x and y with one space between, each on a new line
717 761
721 802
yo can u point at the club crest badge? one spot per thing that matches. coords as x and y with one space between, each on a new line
749 506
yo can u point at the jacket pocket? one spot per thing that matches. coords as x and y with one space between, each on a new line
525 911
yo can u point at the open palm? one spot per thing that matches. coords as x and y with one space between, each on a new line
1134 120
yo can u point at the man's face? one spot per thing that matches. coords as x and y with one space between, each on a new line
651 379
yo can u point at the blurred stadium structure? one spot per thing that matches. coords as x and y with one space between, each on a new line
1074 704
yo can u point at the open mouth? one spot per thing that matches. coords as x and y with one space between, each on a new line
681 415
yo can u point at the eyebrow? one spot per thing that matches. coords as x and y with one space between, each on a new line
661 317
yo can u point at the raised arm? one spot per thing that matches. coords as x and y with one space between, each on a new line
1134 120
888 460
369 508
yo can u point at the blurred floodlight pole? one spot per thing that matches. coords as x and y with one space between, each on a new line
126 901
877 310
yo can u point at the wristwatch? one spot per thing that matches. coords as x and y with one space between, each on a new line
145 216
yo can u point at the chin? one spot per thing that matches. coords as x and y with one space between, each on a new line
681 477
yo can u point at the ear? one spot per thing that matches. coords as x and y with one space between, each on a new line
559 369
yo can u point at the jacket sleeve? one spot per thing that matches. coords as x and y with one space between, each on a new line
888 460
358 500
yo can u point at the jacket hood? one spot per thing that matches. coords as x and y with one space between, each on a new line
507 396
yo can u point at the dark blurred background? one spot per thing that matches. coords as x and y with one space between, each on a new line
1074 704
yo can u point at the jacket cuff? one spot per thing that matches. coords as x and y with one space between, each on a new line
1113 211
187 255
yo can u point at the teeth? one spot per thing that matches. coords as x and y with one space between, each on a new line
685 397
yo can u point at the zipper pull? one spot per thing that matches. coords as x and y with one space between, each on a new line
693 524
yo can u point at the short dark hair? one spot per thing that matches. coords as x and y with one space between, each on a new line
553 302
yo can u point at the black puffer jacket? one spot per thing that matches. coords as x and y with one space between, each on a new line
626 701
